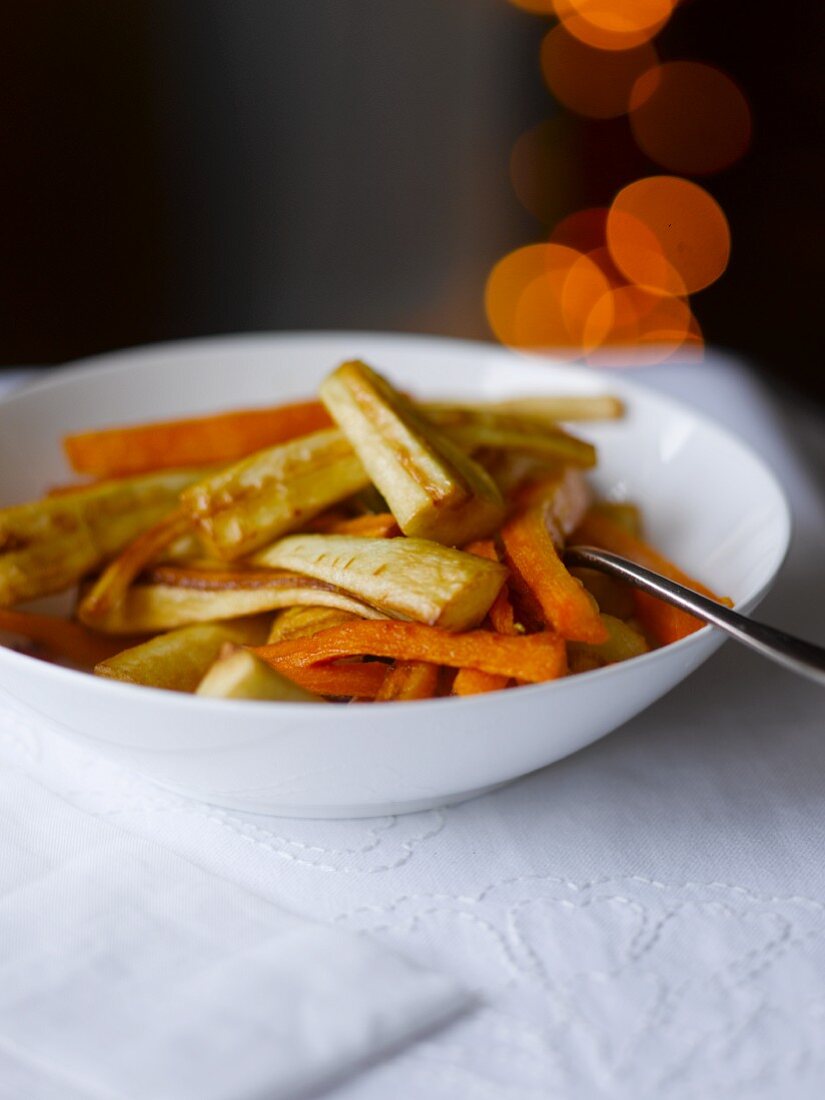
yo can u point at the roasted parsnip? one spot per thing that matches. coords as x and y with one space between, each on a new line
434 490
239 674
301 622
511 434
172 596
405 578
274 491
46 546
623 642
597 406
179 660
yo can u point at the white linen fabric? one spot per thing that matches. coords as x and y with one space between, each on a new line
129 971
645 918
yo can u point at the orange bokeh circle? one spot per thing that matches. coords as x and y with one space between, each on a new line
614 24
592 82
543 295
654 326
668 234
689 117
584 229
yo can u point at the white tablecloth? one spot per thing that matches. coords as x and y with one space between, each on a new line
644 919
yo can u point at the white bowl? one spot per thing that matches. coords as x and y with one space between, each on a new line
708 501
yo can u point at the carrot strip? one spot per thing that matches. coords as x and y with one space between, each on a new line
352 681
409 680
473 681
380 526
531 553
501 614
62 637
664 623
196 441
113 583
533 658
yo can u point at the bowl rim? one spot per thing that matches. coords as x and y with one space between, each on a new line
123 361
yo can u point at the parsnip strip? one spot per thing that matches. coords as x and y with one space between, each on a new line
274 491
239 674
601 406
405 578
433 488
623 642
176 597
301 622
111 586
179 660
46 546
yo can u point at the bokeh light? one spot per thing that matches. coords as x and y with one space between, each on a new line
690 118
614 24
666 233
544 295
612 285
584 230
655 326
593 82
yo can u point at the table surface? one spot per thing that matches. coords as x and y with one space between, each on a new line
645 918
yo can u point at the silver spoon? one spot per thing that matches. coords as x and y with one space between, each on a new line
794 653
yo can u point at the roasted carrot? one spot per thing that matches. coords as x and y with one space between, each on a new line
348 680
664 623
473 681
379 526
501 614
531 553
532 658
62 638
196 441
111 586
409 680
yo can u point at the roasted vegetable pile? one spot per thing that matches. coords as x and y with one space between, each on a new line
361 547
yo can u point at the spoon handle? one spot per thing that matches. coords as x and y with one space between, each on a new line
794 653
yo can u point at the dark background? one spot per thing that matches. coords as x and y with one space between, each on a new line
184 167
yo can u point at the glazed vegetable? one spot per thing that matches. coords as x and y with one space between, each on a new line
196 441
530 540
403 578
179 660
173 596
434 490
50 544
532 658
277 490
239 674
